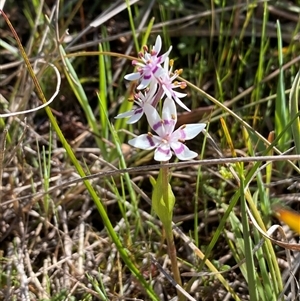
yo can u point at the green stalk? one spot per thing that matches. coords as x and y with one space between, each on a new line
173 257
169 233
247 241
294 111
165 183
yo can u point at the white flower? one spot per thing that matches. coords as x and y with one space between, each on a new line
140 100
168 84
151 66
167 140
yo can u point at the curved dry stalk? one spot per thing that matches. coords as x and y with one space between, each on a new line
58 84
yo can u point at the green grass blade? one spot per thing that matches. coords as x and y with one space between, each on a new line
251 277
293 107
102 96
82 98
132 26
280 103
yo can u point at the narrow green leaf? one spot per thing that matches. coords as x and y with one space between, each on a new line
82 98
248 246
281 113
102 96
293 106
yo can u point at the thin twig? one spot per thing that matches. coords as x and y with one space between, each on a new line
2 152
147 168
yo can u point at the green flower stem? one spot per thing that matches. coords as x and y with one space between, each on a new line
173 258
168 230
165 192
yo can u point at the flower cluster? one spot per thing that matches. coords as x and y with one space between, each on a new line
157 82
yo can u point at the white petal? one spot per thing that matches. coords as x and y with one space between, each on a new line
145 141
179 94
182 152
154 119
132 76
180 103
144 83
125 114
166 66
169 115
163 153
159 72
188 131
165 55
136 116
158 44
167 91
152 90
169 109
